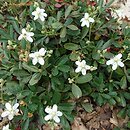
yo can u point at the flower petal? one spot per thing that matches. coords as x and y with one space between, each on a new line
84 62
48 117
42 51
83 19
8 106
114 66
48 109
54 108
29 39
42 18
77 63
83 23
32 55
56 119
24 31
86 15
16 111
59 113
30 33
5 113
10 116
20 37
87 23
109 62
78 69
91 20
34 61
15 106
83 71
121 64
118 56
87 67
41 61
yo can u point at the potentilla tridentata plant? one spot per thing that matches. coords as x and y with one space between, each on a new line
115 62
39 14
10 110
26 35
37 57
61 52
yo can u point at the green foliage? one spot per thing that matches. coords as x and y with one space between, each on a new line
66 42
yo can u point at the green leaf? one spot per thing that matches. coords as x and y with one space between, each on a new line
76 91
63 60
68 21
64 68
71 46
67 106
72 27
35 78
26 124
123 83
122 100
65 123
107 44
33 107
112 101
55 71
30 67
87 106
100 100
63 32
73 56
84 79
122 113
57 25
23 94
84 32
56 97
16 26
20 73
59 14
68 10
106 96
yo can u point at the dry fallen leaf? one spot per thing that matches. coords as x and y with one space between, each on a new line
78 124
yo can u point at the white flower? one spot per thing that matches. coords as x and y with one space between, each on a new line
26 35
82 67
6 127
86 20
37 57
10 110
39 13
115 61
53 114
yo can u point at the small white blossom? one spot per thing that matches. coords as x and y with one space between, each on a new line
37 57
70 80
26 35
53 113
39 14
6 127
10 110
82 67
86 20
115 61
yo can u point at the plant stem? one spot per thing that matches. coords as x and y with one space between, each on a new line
111 75
90 32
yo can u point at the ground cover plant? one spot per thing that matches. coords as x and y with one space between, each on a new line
54 54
